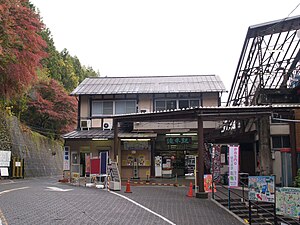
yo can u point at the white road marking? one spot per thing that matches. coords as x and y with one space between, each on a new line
2 219
10 190
58 189
7 182
149 210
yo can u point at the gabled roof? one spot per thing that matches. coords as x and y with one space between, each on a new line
150 85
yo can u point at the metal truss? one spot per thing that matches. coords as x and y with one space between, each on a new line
269 60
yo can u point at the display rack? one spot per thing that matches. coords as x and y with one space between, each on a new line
114 176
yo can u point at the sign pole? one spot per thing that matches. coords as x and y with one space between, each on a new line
250 213
213 170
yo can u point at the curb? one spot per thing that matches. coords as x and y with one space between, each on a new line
158 184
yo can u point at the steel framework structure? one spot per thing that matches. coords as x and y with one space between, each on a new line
269 60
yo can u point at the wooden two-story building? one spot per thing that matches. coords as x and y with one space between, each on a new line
145 146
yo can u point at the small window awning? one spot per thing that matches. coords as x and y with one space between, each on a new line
89 134
105 134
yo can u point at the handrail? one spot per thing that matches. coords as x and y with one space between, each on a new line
231 195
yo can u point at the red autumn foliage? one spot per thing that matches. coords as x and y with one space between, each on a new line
51 108
21 46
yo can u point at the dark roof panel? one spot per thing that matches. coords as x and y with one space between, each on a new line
153 84
105 134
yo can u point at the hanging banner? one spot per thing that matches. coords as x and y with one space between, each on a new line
66 165
216 156
261 188
233 166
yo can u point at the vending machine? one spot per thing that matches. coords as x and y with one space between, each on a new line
158 166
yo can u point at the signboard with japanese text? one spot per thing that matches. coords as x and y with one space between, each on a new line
178 140
5 157
66 165
261 188
233 166
137 145
288 201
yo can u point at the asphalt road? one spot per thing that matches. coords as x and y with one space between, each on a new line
41 201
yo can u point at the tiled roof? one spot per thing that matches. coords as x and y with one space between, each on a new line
89 134
150 84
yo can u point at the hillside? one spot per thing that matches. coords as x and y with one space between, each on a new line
42 156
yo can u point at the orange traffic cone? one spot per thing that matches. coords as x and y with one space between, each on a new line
190 193
128 187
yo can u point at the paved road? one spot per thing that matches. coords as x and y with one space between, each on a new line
45 201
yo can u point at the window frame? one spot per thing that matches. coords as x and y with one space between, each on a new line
177 103
114 107
283 141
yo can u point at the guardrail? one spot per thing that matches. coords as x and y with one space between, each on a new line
236 200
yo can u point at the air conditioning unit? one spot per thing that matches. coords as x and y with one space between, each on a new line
107 126
85 124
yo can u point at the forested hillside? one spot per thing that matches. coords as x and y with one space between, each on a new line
35 78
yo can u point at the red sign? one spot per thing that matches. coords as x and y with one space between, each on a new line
95 166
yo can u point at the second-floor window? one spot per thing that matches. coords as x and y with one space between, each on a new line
281 142
161 105
100 108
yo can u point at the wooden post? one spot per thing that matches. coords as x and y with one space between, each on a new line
200 163
293 149
117 147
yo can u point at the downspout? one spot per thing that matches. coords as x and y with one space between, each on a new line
78 111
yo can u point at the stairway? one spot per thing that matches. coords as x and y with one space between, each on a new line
261 214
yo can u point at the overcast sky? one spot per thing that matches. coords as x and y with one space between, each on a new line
158 37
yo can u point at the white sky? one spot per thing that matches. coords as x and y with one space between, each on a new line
158 37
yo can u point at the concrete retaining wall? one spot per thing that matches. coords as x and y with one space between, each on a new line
42 156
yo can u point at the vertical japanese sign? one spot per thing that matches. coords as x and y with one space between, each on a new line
233 176
66 165
216 163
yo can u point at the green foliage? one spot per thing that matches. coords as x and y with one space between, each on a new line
35 78
63 67
297 179
69 78
19 105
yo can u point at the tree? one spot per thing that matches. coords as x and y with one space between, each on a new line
69 78
50 109
54 61
21 47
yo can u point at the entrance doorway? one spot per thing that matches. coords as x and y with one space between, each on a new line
103 155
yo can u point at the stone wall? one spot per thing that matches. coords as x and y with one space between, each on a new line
42 156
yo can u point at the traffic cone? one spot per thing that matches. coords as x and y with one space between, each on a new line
190 193
128 187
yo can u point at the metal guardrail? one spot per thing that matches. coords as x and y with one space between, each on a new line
237 201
